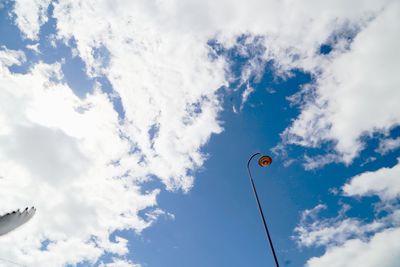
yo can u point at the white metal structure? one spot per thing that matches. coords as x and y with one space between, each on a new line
12 220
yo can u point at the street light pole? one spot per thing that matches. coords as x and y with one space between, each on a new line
260 209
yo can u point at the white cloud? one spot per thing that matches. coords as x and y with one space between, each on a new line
57 153
166 82
34 47
387 145
143 41
353 241
157 51
311 163
356 95
120 263
358 92
11 57
245 95
350 241
31 14
381 250
384 182
314 231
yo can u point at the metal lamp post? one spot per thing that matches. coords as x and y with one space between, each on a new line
263 161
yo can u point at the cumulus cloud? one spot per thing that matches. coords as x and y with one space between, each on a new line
57 155
357 93
78 161
384 183
381 250
166 81
141 40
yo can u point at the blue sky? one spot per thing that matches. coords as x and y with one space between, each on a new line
217 223
149 118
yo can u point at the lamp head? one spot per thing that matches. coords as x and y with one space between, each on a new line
264 161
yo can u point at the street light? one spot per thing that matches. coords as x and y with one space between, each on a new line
263 161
